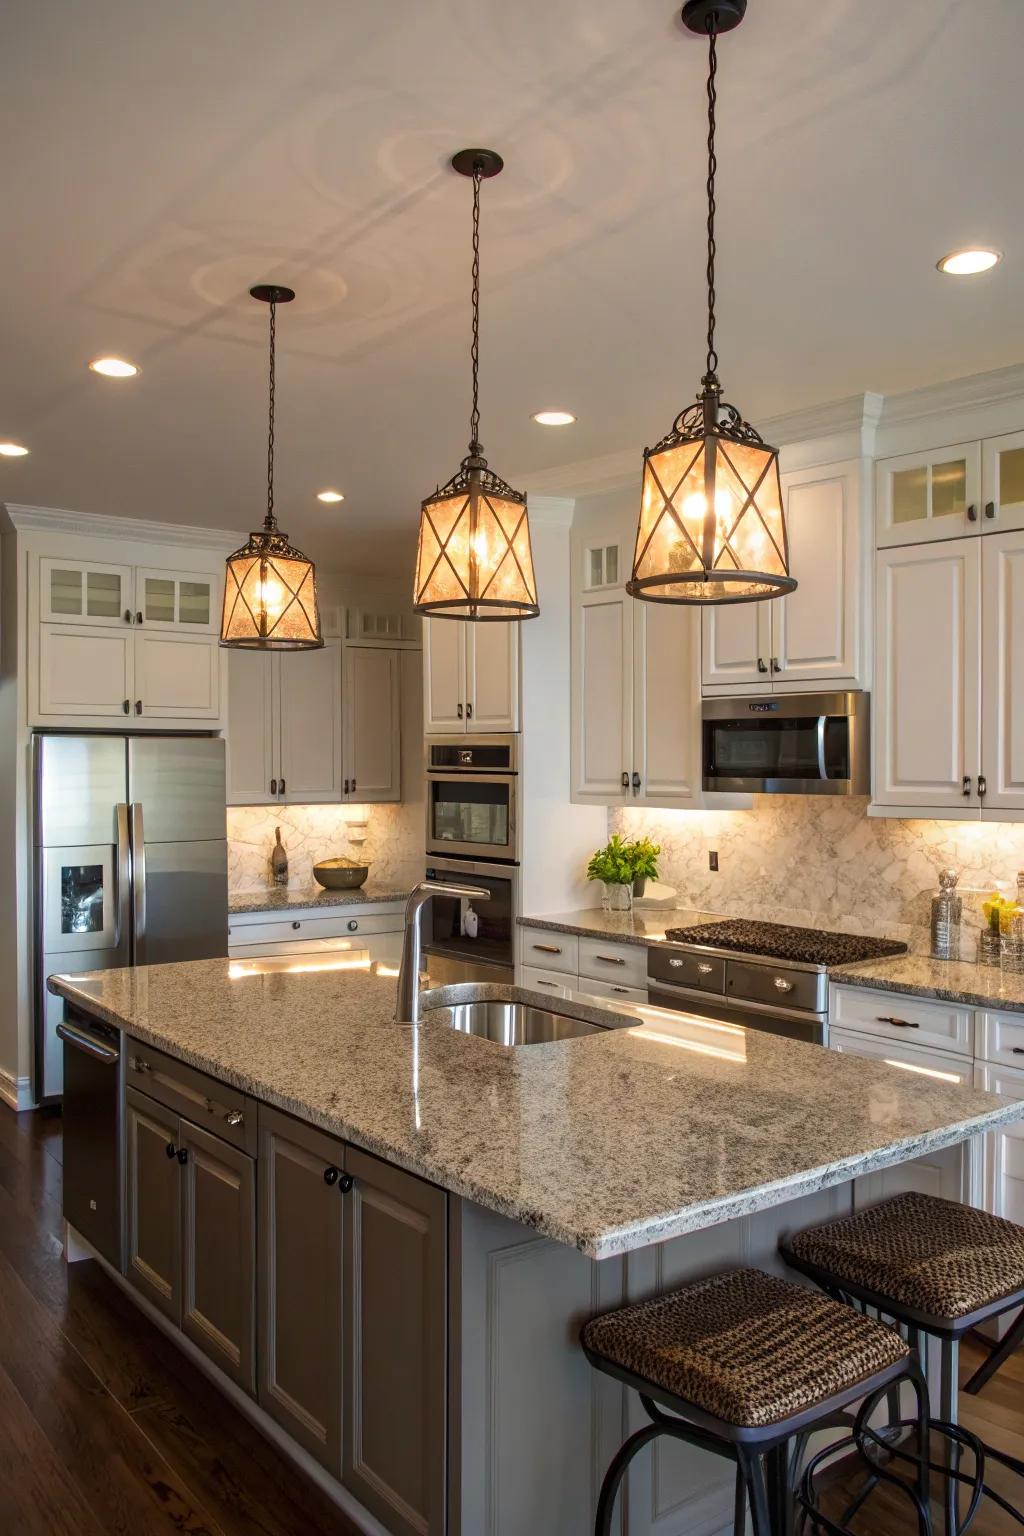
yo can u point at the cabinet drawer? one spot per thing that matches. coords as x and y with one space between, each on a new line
555 982
613 989
909 1057
1001 1038
622 963
287 930
895 1016
551 951
213 1106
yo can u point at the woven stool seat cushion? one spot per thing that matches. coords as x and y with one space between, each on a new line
746 1347
939 1258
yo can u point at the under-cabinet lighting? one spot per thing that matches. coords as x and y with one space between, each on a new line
969 262
387 970
906 1066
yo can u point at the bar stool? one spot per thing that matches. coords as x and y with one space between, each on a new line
746 1362
934 1266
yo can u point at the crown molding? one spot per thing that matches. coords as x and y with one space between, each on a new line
553 511
93 525
854 414
976 390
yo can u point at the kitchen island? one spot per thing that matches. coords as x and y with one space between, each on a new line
516 1193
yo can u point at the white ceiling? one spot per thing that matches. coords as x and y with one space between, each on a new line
159 158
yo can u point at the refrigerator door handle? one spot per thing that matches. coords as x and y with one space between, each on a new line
138 881
124 876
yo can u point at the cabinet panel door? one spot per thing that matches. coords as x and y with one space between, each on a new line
178 600
1002 651
395 1346
177 677
1002 469
1004 1148
603 702
153 1193
84 592
492 677
736 646
928 676
251 747
372 725
85 671
444 676
920 497
218 1251
309 724
300 1265
816 628
666 704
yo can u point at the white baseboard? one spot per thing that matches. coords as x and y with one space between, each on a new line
16 1091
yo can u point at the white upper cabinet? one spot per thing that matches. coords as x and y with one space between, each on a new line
251 742
666 705
85 592
1002 667
602 673
188 601
1002 478
177 677
308 699
84 671
927 703
470 676
814 637
920 497
371 694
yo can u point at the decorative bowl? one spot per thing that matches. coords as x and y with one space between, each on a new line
340 874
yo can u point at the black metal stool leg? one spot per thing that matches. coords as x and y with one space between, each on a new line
616 1471
780 1499
753 1474
739 1519
949 1411
1000 1354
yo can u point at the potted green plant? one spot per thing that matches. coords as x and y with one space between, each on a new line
620 865
644 854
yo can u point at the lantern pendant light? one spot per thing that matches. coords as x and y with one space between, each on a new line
712 527
474 559
270 601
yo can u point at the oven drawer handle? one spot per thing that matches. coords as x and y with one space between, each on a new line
897 1023
610 959
92 1045
704 967
782 985
549 949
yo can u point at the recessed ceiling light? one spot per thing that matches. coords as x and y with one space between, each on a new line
13 450
329 496
553 418
113 367
966 263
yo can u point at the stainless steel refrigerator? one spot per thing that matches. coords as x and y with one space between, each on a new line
130 862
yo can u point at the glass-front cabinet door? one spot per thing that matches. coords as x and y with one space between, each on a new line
1002 466
84 592
920 497
182 600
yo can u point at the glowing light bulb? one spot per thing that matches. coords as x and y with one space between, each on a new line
695 506
723 504
271 596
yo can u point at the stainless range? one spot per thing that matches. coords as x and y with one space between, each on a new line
762 975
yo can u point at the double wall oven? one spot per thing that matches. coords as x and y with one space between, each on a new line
472 832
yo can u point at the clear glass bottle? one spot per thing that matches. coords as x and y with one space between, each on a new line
278 860
947 910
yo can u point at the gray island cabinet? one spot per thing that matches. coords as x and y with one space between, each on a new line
382 1241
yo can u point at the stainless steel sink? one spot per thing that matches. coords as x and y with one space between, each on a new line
511 1023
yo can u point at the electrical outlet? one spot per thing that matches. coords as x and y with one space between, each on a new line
713 861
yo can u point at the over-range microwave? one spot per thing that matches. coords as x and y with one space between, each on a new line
788 744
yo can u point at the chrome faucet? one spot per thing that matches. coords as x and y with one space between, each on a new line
408 1010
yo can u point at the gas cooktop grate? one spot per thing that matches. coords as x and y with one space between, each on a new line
810 946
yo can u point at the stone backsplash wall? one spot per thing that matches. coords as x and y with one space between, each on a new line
393 847
824 862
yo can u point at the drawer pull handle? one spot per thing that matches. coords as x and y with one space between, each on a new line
552 984
140 1065
703 967
548 949
234 1117
1017 1050
610 959
620 989
898 1023
782 985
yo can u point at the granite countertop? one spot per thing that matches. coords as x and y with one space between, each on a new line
607 1143
952 981
644 925
289 898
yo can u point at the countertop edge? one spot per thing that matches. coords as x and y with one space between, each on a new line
853 976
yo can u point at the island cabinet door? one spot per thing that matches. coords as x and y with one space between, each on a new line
394 1443
302 1213
151 1145
218 1258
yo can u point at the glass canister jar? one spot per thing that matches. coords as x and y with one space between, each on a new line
947 911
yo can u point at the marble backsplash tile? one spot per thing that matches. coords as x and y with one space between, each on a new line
393 845
826 863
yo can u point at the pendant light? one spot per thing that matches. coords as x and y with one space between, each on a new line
270 599
474 559
712 527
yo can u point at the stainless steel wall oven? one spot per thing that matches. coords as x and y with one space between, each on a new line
472 797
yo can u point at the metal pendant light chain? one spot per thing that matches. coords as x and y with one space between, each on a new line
712 361
270 523
474 419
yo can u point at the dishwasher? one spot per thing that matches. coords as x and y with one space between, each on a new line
93 1116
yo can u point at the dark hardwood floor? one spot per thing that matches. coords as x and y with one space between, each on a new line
107 1430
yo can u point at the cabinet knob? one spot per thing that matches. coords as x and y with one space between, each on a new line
183 1155
138 617
990 509
967 786
762 665
353 925
273 786
139 1064
331 1174
296 925
345 1183
972 513
138 706
127 706
234 1117
171 1149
